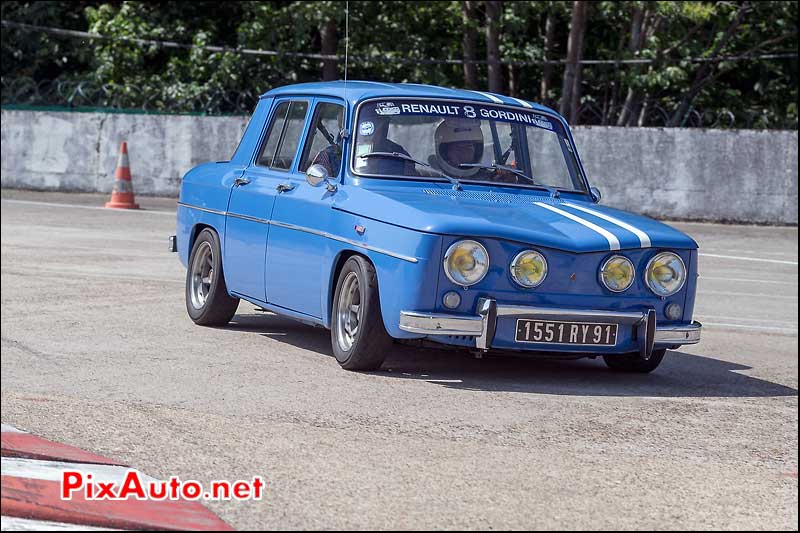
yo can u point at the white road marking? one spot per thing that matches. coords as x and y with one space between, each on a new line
759 252
78 275
745 326
748 294
741 319
742 258
644 238
10 429
53 470
613 242
747 280
97 207
10 523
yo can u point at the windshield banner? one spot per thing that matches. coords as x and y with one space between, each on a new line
390 108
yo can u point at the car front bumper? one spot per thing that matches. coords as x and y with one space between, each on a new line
645 334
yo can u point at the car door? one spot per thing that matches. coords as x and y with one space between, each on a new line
253 196
298 252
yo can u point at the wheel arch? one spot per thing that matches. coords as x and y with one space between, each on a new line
338 262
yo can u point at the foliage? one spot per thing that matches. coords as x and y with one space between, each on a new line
390 41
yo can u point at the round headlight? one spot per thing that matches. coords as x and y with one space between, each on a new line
529 268
617 273
666 274
466 262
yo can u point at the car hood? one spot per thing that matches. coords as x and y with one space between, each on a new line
526 216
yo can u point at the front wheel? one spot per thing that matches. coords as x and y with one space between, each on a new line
207 300
359 339
634 363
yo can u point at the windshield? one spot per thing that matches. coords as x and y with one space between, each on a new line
463 140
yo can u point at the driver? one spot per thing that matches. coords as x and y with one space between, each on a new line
458 141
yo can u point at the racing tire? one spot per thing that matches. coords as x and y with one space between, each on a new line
634 363
358 336
207 300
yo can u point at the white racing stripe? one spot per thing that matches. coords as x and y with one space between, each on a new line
53 470
644 238
613 242
491 97
523 103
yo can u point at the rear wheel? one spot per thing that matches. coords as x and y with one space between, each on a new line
634 363
359 340
207 300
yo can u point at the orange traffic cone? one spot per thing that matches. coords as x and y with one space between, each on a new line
122 193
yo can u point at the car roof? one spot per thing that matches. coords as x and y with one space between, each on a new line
358 91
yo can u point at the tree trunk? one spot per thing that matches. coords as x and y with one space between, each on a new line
469 44
493 11
513 80
577 29
575 104
547 70
629 106
329 43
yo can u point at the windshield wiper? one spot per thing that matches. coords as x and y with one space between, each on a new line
398 155
494 167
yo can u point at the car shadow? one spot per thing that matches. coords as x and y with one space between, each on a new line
680 374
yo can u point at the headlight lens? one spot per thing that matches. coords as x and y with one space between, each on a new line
617 273
529 268
666 274
466 262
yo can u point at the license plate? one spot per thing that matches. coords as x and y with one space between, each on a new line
572 333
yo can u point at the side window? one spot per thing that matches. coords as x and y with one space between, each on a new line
321 145
273 135
283 137
291 135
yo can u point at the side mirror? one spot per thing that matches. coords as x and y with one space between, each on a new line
316 175
596 196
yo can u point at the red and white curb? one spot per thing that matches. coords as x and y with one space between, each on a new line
31 501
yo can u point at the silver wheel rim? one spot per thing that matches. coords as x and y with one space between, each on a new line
202 275
348 312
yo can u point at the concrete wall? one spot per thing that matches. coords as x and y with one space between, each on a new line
740 175
78 151
721 175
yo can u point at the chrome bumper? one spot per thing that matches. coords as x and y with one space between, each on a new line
679 334
482 327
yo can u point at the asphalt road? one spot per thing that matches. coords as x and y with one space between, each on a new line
98 352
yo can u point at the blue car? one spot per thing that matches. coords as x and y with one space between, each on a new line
412 213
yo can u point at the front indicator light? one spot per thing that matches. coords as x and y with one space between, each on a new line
617 273
673 311
665 274
466 262
451 300
529 268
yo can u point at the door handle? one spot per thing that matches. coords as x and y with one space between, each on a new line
240 181
285 187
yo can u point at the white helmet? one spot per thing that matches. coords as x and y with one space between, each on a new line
458 130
